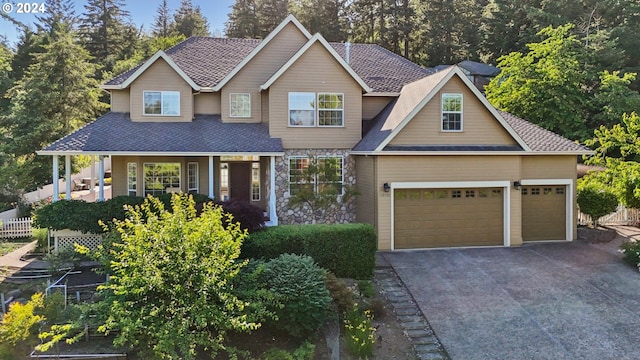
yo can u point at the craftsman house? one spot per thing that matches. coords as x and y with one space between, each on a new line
435 164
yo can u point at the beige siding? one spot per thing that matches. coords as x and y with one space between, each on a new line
265 106
260 69
372 105
316 71
479 126
365 184
161 77
120 101
119 172
444 169
207 103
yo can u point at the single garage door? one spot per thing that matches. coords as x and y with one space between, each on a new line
544 212
425 218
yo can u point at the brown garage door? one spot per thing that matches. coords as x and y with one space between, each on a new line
425 218
544 212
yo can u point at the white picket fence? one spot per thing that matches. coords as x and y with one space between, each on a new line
622 216
15 228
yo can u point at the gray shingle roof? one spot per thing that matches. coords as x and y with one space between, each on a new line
540 139
208 60
478 68
115 132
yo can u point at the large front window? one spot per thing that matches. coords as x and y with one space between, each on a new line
162 103
160 178
452 112
305 107
315 173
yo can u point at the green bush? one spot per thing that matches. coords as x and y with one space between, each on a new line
631 251
298 285
596 201
347 250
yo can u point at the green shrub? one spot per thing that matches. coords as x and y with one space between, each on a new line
298 285
41 236
365 287
340 293
596 201
631 251
347 250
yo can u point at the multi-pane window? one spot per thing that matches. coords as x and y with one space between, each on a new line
224 181
255 181
132 179
192 178
452 112
326 171
302 109
330 109
160 178
240 105
162 103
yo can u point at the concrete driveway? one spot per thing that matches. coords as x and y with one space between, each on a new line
542 301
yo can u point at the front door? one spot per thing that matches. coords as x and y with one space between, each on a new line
240 181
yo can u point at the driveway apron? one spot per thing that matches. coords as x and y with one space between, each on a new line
539 301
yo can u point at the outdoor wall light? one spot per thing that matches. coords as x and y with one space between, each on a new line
386 187
517 185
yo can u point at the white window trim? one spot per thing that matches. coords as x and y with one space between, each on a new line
161 98
315 181
315 109
197 187
452 112
318 110
231 106
135 169
144 185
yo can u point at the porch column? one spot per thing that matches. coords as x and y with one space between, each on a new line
273 217
93 174
211 192
101 177
56 179
67 176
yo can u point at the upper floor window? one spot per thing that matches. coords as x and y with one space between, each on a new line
304 107
451 112
162 103
240 105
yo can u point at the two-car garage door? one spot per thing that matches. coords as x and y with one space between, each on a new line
448 217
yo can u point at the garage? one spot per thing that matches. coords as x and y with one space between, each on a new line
544 212
427 218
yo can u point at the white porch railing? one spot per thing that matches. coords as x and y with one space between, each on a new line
622 216
15 228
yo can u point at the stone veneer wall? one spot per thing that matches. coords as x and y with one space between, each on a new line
337 213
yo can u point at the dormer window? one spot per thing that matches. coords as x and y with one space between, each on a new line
451 112
240 105
164 103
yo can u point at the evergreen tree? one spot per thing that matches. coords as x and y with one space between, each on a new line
243 20
326 17
57 95
270 14
189 20
107 32
163 22
58 12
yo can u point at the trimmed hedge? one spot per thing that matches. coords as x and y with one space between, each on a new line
85 216
347 250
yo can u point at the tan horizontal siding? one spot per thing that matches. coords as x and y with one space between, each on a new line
207 103
372 105
120 101
316 71
443 169
365 184
549 167
259 70
479 126
161 77
265 106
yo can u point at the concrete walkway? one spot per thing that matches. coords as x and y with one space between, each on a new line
13 260
541 301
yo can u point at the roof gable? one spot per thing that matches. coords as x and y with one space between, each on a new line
146 65
317 38
416 95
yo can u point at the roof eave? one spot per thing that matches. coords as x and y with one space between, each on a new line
467 153
156 153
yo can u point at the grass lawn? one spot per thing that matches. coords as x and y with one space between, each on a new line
8 246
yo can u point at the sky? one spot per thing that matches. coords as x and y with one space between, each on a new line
142 13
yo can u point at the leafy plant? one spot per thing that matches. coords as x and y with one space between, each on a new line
298 284
366 288
631 251
596 201
249 216
18 324
360 332
340 293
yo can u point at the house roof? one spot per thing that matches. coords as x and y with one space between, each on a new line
413 97
209 61
478 68
115 133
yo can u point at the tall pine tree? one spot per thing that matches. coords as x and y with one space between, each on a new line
189 20
243 20
163 22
